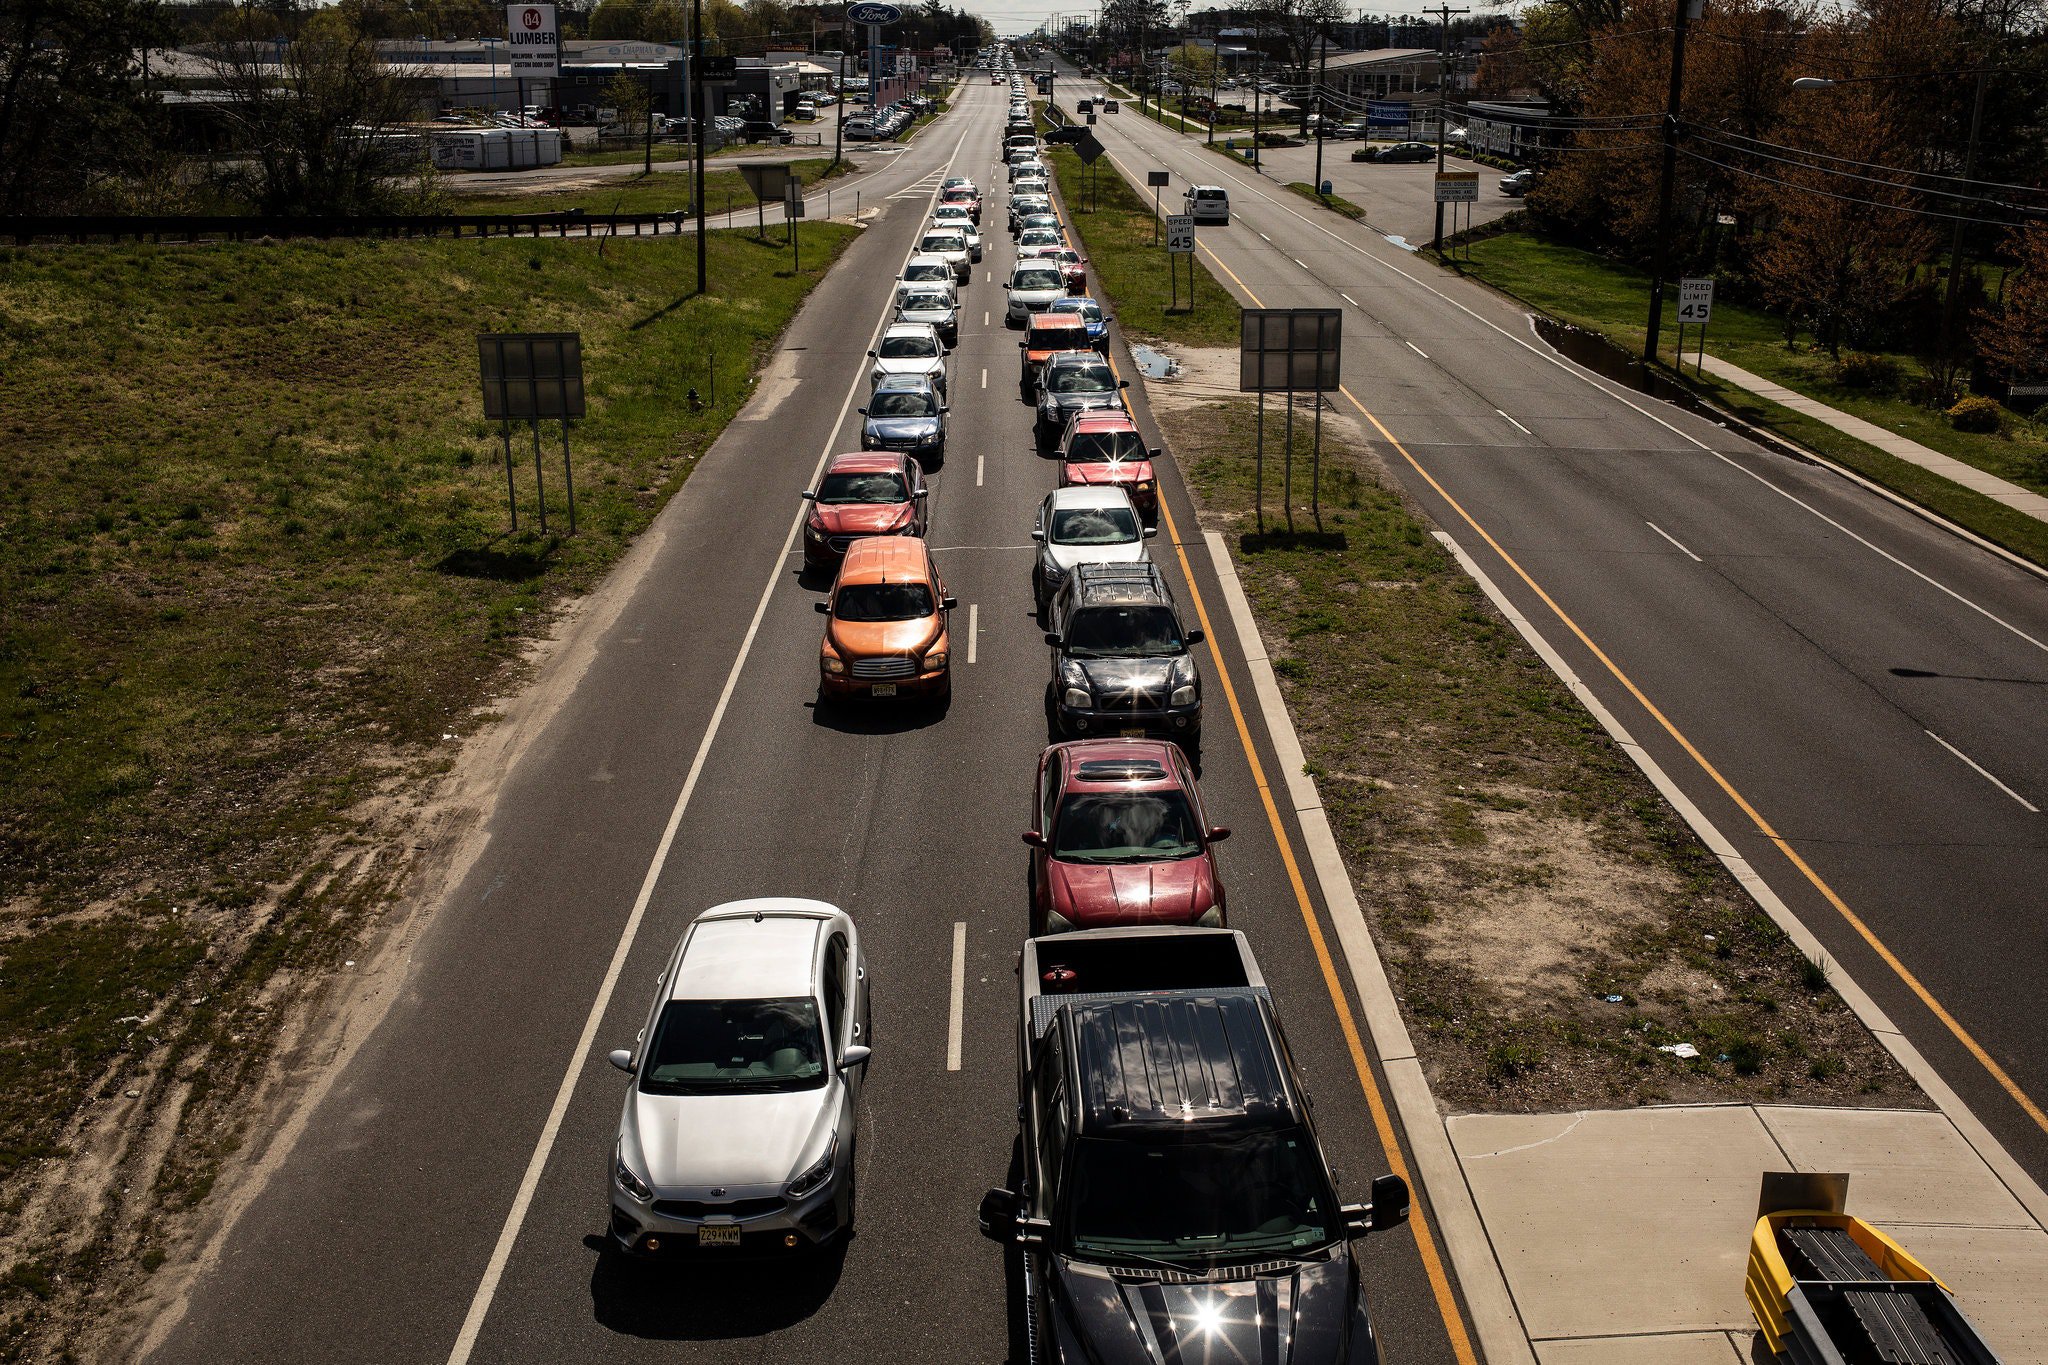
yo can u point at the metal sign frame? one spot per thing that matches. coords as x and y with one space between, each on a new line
531 377
1283 350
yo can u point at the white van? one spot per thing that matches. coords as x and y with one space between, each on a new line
1208 204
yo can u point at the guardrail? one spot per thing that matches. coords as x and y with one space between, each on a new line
232 228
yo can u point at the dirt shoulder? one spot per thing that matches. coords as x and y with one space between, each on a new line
1556 936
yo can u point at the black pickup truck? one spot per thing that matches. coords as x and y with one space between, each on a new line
1174 1204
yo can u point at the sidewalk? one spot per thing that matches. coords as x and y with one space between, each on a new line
1969 476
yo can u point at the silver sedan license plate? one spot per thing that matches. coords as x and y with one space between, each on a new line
884 689
717 1235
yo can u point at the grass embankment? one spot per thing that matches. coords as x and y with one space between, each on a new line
255 570
1335 202
1518 870
1118 233
1588 291
660 192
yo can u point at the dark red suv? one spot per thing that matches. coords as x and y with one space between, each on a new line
1118 837
875 493
1104 449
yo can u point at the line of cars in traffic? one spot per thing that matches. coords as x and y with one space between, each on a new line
1197 1176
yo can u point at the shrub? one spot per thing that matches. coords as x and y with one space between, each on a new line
1861 370
1974 414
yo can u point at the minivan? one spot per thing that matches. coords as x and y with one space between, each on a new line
1208 204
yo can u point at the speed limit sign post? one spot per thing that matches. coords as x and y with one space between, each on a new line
1695 309
1180 241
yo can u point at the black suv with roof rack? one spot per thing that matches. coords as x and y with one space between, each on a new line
1121 662
1174 1205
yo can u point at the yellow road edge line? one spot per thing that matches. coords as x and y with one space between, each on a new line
1756 818
1425 1243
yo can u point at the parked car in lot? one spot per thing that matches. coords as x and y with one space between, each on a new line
1174 1205
1406 152
741 1118
869 494
1118 836
1105 450
1091 315
1071 382
938 309
1121 662
909 348
885 624
761 130
1032 285
1516 184
1353 130
1077 526
906 413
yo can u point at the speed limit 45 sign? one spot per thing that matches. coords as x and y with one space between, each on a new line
1695 301
1180 233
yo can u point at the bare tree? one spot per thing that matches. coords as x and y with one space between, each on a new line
75 120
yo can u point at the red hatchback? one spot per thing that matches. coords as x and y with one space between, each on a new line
1118 837
1104 449
875 493
964 194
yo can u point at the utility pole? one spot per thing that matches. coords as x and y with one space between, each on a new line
1322 122
1215 87
1443 105
703 150
839 105
1955 249
1667 178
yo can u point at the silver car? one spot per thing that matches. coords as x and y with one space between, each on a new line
739 1124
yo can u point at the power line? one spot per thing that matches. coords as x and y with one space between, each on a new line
1853 175
2026 214
1871 165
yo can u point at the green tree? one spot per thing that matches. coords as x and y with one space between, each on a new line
75 119
2013 338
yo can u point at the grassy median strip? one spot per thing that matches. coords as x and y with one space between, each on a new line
1583 289
1336 202
257 579
1556 935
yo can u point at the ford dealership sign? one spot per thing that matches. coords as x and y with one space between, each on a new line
872 12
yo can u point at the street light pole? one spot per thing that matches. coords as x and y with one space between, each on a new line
703 150
1667 180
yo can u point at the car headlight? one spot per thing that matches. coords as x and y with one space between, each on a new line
629 1180
1055 574
833 664
1212 918
1182 696
1077 698
935 661
1056 923
1144 485
813 531
814 1176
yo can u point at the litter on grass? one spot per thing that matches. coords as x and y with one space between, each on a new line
1683 1051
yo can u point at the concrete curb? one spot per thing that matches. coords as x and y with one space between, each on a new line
1987 1147
1502 1338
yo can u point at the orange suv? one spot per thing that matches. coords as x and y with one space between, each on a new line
885 624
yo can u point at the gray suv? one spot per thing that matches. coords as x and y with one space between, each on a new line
740 1119
1121 662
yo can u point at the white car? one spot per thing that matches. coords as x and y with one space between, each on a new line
1039 236
1033 284
951 245
1083 524
959 218
739 1125
1031 185
909 348
921 272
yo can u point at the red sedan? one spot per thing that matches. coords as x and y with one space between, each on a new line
964 194
875 493
1104 448
1118 837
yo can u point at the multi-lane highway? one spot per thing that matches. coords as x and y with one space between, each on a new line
446 1198
1854 695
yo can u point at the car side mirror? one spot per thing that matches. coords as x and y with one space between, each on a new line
948 603
1389 1202
945 408
1196 637
871 354
922 493
1218 833
1052 637
808 495
854 1056
622 1058
1038 535
1151 531
1034 838
1123 383
863 411
822 608
997 1217
1154 453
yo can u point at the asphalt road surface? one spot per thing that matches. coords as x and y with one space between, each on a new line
1801 654
449 1193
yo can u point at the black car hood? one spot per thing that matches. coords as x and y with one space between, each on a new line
903 428
1110 679
1075 402
1284 1313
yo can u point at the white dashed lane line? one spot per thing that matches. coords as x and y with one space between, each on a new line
1983 772
1674 540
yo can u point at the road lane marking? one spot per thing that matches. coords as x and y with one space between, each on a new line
1390 1143
1674 540
980 464
956 1010
984 317
984 373
579 1059
973 627
1981 772
1516 425
1763 827
1348 299
1303 264
1417 349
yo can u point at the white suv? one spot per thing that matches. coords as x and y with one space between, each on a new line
740 1121
950 243
960 219
909 348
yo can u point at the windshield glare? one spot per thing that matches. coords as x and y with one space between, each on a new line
1036 279
1180 1195
840 489
929 270
909 348
1094 526
1136 632
705 1047
882 602
948 242
1125 827
1083 379
927 303
898 403
1101 447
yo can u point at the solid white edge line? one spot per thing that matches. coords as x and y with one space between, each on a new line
973 628
956 1009
1987 1147
515 1218
1983 772
1674 540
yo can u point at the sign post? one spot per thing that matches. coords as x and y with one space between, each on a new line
1695 309
1180 241
1455 188
534 44
1157 181
873 14
793 209
771 181
528 377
